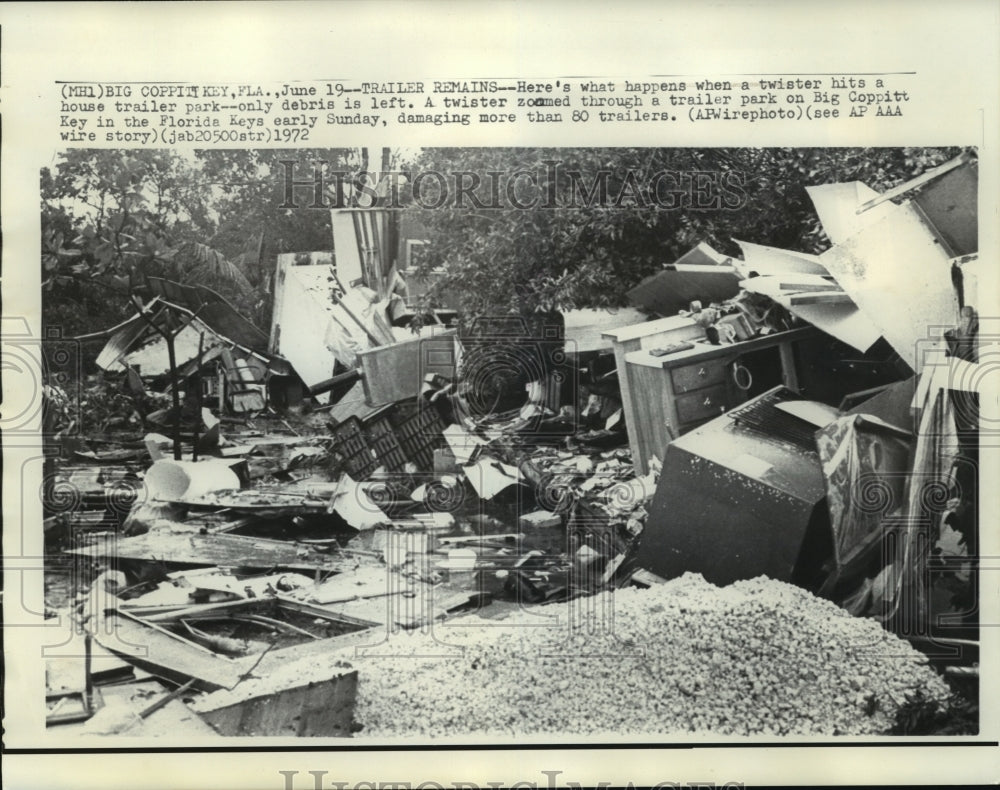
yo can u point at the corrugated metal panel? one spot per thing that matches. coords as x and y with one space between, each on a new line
120 343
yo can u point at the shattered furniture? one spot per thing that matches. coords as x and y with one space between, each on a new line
396 371
739 497
651 334
669 395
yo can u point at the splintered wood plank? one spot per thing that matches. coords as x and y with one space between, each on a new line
164 654
192 548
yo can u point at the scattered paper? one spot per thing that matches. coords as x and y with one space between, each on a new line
351 502
489 477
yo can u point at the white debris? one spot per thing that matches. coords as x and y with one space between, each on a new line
758 657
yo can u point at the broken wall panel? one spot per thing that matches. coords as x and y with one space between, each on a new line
212 310
305 332
190 548
949 204
842 321
673 289
311 708
765 260
837 207
164 654
900 277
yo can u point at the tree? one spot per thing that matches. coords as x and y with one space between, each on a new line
107 217
110 217
248 188
595 221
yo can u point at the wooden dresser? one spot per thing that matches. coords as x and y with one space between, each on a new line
672 394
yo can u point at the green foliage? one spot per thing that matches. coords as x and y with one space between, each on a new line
921 716
579 255
214 218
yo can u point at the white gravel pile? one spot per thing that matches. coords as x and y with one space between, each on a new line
755 658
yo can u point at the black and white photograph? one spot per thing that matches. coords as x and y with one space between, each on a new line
515 444
437 395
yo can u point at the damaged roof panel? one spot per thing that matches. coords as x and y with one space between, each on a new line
212 309
897 273
152 359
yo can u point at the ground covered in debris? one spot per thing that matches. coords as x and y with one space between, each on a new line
758 657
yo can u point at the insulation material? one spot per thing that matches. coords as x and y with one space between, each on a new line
771 260
757 657
900 278
837 207
864 462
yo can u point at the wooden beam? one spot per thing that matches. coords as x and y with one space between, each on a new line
837 297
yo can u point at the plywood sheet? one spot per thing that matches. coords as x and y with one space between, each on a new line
394 372
191 548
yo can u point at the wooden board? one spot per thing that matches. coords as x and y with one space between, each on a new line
835 297
319 708
191 548
164 654
394 372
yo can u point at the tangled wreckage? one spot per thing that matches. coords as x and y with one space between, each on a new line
757 510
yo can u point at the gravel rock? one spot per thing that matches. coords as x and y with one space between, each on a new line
758 657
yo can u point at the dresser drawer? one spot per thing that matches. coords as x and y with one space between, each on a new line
693 377
700 405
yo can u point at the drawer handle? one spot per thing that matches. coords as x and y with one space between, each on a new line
702 372
708 401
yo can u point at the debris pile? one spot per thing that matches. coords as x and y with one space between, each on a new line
758 657
250 516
